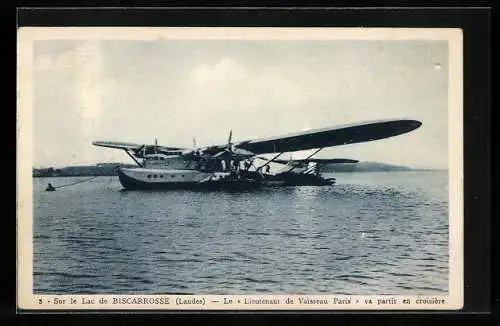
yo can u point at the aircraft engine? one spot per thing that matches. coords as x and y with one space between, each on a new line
232 151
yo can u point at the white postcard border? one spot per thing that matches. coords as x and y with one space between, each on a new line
28 300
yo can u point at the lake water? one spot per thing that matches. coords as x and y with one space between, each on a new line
371 233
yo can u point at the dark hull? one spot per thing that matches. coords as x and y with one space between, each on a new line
233 185
290 179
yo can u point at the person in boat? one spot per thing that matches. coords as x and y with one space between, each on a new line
50 187
268 168
247 165
236 165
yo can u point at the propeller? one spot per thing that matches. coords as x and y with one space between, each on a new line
189 155
229 147
232 150
192 154
146 149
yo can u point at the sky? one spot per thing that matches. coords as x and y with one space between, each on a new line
179 89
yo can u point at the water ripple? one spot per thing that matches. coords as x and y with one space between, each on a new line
370 233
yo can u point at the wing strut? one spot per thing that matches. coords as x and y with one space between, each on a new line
135 160
315 152
270 161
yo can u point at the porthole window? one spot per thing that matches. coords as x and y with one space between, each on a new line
155 176
172 175
183 175
149 176
161 175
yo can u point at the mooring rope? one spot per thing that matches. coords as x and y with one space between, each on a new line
81 181
74 183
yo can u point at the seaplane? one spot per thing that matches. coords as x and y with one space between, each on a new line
234 165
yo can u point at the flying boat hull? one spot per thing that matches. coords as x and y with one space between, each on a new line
218 166
156 179
290 179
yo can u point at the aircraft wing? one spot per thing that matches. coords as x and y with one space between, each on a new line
118 145
316 138
328 137
131 146
319 160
